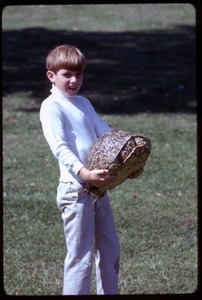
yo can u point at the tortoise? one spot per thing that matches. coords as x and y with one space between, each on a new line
122 153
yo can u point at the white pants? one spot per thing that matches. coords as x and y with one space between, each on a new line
89 232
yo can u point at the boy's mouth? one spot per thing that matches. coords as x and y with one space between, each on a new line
72 88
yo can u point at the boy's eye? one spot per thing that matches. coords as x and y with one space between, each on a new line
67 75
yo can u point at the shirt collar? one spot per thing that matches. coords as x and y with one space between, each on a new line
54 90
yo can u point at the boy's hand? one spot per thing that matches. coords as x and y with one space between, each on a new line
96 177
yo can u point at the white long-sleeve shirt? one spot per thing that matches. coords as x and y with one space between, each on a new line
70 126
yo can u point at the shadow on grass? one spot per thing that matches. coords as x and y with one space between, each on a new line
127 72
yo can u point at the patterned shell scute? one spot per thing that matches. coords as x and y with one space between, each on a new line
122 153
107 148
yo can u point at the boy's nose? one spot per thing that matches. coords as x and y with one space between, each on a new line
73 78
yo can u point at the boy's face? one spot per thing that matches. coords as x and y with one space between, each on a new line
68 82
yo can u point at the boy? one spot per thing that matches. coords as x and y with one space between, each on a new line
71 127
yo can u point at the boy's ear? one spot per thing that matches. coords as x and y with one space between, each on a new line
51 76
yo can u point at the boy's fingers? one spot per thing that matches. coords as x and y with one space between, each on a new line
104 175
104 171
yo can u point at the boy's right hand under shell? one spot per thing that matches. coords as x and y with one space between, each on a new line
96 177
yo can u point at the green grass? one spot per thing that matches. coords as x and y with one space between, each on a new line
156 214
118 17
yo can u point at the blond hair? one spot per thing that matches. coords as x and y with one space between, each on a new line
65 57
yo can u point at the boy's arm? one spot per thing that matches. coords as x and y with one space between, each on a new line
52 126
101 127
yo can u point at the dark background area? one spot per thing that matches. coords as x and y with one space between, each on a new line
127 72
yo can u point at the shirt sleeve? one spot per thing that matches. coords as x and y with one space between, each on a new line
100 126
52 125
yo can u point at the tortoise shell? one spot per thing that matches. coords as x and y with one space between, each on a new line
121 152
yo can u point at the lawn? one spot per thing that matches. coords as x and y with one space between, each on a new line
140 77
